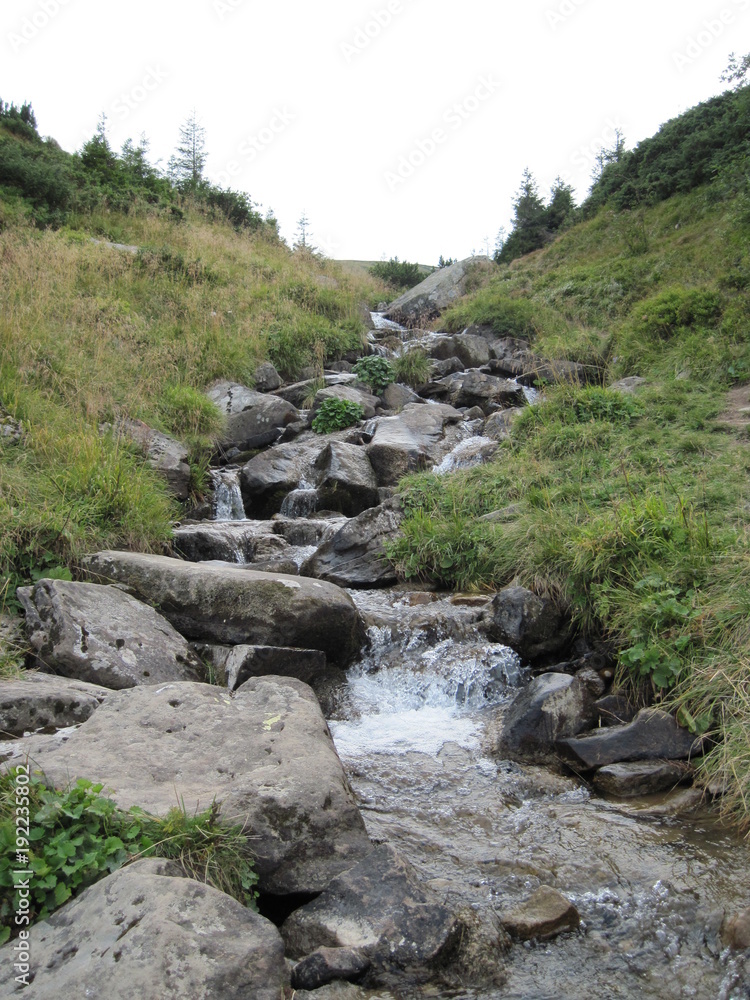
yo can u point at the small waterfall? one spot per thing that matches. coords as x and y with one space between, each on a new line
381 323
301 502
473 451
228 504
532 395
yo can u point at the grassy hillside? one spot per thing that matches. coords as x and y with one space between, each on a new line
632 511
89 332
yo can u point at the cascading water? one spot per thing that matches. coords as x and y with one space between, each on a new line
301 502
473 451
228 505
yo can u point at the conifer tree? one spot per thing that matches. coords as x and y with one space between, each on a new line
189 161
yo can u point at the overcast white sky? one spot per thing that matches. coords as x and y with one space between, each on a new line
401 127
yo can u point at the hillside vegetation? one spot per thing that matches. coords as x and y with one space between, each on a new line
90 332
631 510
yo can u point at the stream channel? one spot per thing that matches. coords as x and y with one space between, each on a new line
651 878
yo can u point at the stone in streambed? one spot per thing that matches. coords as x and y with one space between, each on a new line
103 636
355 555
328 965
653 735
265 754
345 479
549 707
253 419
636 778
232 605
148 932
545 915
236 664
532 626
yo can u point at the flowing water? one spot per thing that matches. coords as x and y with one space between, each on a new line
651 886
301 502
228 504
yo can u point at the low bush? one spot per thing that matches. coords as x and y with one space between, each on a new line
336 415
376 372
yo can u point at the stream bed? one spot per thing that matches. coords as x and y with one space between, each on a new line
651 885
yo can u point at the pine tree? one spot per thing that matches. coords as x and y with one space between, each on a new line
302 241
187 165
561 204
97 154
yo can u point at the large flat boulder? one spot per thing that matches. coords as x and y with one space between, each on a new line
41 701
636 778
653 735
233 605
355 555
104 636
265 754
148 932
253 419
226 541
436 292
380 908
410 441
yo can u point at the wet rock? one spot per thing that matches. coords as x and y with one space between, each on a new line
380 908
592 681
615 710
345 479
549 707
366 400
236 664
653 735
307 531
545 915
408 442
531 625
167 456
40 701
735 931
233 605
103 635
355 555
436 292
631 780
498 425
265 754
299 392
449 366
267 479
266 378
149 932
444 348
326 965
254 419
232 542
473 352
395 396
487 391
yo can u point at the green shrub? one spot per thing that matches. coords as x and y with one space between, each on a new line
676 308
78 836
413 367
492 307
399 274
336 415
376 372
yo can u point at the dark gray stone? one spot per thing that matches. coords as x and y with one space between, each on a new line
355 556
366 400
345 479
653 735
472 351
266 378
498 425
167 456
409 441
487 391
436 292
254 419
533 626
545 915
328 965
103 636
395 396
549 707
615 710
631 780
40 701
236 664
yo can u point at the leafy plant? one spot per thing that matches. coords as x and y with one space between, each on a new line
376 372
337 414
78 836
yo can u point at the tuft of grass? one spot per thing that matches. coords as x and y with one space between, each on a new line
412 367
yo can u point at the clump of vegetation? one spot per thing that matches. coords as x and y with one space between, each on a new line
376 372
336 415
78 836
413 367
398 274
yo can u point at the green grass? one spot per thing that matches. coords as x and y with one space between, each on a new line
631 511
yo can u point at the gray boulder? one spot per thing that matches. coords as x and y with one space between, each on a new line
149 932
228 541
266 378
550 707
408 442
380 908
345 479
653 735
531 625
366 400
167 456
254 419
355 556
233 605
267 479
436 292
498 425
236 664
631 780
487 392
472 351
299 392
40 701
265 755
628 386
395 396
329 965
544 915
448 366
104 636
444 348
